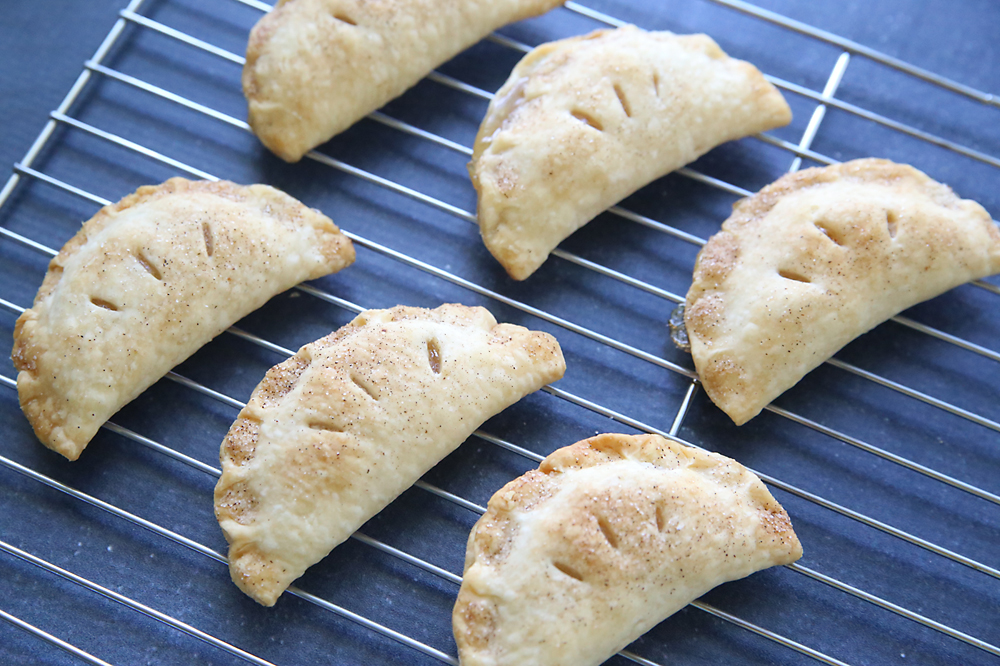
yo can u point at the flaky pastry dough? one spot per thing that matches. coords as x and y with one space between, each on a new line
816 259
583 122
335 433
574 561
315 67
145 283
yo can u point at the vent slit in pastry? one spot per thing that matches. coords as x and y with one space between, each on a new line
521 601
148 265
370 390
793 275
81 357
587 119
206 232
890 223
434 356
101 303
834 236
898 238
623 100
344 18
539 171
607 530
300 490
568 570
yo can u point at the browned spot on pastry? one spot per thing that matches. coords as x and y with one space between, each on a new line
101 303
656 83
344 18
587 118
623 100
890 222
241 442
147 265
704 315
789 274
568 570
775 521
206 230
281 379
239 503
479 618
717 259
434 356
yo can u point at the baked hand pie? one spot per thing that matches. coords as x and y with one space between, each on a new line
584 122
334 434
816 259
145 283
315 67
574 561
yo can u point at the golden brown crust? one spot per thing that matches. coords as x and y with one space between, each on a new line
814 260
610 534
315 67
583 122
334 433
136 293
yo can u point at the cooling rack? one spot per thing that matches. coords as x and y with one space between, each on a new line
886 457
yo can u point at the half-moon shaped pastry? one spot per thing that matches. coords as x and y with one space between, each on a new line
611 535
816 259
583 122
315 67
145 283
334 434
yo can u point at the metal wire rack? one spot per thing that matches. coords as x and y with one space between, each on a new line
885 458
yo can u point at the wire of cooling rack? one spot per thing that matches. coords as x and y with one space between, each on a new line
60 116
767 478
468 216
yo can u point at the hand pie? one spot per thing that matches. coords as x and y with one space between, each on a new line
335 433
816 259
583 122
145 283
608 537
315 67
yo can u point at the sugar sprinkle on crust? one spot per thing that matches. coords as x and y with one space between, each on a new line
574 560
335 433
816 259
145 283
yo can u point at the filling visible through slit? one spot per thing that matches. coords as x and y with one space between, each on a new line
101 303
568 570
434 356
147 265
585 117
890 222
792 275
206 231
661 521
